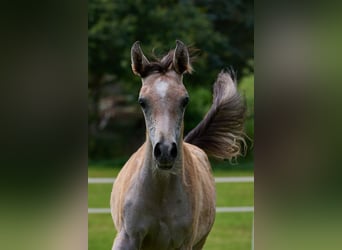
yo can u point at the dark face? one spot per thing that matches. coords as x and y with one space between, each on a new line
163 99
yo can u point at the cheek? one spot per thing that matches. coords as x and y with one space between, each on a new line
150 124
178 120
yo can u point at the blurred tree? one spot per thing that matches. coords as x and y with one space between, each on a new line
223 32
235 21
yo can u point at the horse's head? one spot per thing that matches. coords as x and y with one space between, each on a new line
163 99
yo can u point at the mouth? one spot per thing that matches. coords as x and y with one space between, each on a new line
164 166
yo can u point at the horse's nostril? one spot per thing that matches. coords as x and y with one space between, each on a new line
157 151
173 150
165 153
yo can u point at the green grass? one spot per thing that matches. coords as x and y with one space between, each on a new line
101 232
99 195
231 231
103 171
234 194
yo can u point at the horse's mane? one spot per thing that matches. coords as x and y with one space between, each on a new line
164 64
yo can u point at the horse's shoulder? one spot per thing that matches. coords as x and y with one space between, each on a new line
129 171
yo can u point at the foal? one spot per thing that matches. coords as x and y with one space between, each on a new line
164 196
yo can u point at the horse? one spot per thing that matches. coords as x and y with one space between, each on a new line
164 196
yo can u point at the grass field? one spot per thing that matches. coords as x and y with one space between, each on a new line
230 231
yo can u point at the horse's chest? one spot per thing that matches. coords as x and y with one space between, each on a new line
177 216
165 223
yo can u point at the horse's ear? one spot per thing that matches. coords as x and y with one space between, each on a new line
181 58
138 60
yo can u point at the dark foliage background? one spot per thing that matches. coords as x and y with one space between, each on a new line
221 30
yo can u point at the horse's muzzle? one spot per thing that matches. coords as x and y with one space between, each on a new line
165 154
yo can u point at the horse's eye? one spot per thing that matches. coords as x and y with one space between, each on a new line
185 101
142 102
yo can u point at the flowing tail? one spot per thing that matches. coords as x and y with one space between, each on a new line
220 134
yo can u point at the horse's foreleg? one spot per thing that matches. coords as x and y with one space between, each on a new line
124 242
200 244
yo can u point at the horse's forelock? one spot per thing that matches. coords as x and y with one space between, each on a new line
164 64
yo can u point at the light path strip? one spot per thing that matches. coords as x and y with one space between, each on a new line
234 209
217 180
98 210
101 180
218 210
234 179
